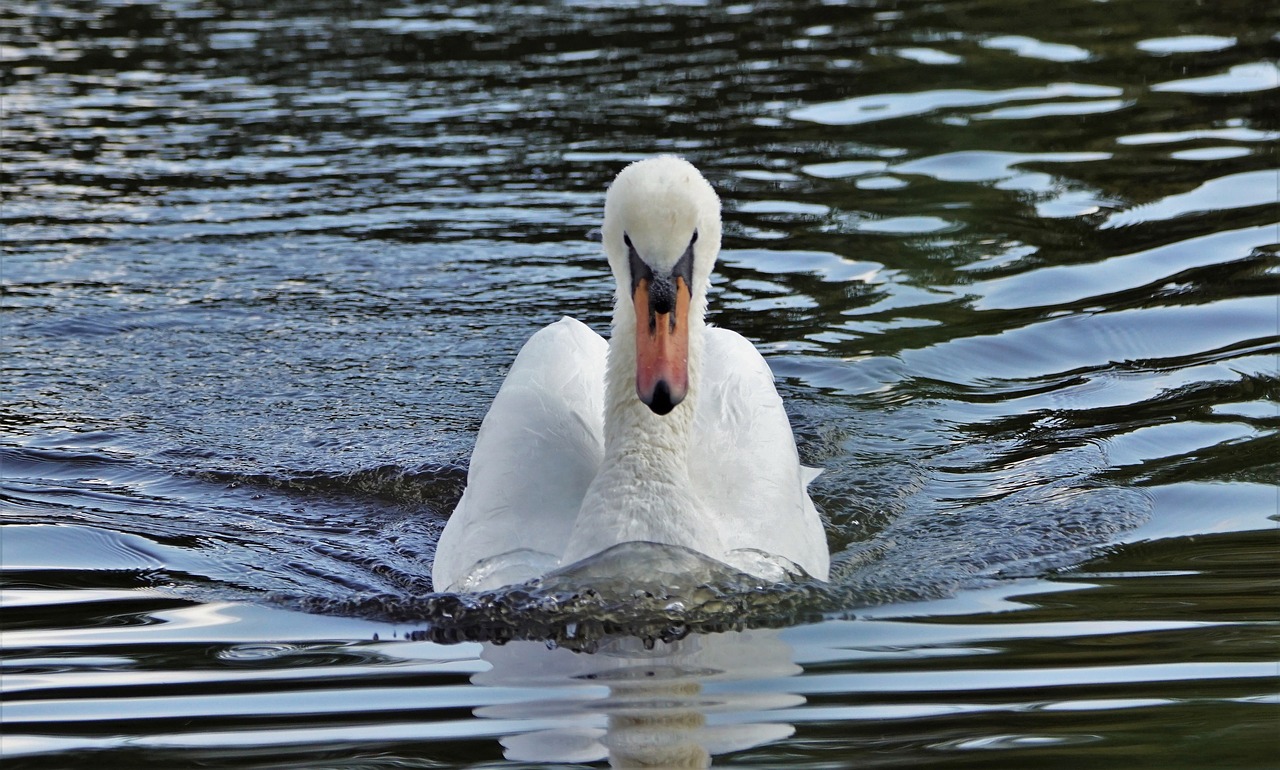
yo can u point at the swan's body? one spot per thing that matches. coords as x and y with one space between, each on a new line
672 432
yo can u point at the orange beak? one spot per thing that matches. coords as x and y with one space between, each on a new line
662 347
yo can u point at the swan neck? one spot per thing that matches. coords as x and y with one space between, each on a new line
632 432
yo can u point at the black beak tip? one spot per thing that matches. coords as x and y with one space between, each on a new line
660 402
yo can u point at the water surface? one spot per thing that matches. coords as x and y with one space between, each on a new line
1015 270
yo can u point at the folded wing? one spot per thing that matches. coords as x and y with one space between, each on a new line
539 447
746 467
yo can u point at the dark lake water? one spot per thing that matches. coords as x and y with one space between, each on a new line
1016 267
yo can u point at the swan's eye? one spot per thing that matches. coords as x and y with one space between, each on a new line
627 240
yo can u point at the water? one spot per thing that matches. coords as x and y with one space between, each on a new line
1015 269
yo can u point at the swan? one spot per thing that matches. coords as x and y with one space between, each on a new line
672 432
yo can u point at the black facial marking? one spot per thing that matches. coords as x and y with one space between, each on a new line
640 270
662 288
684 266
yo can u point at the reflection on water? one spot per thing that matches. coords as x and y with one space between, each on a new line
265 265
670 705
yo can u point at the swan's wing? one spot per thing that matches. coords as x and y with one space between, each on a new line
539 447
746 467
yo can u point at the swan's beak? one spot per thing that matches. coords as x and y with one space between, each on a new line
662 341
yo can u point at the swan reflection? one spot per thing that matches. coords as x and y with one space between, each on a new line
675 704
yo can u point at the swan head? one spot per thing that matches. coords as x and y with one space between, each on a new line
662 234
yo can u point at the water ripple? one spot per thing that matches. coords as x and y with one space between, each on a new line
265 266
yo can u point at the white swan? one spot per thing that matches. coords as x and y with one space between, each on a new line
672 432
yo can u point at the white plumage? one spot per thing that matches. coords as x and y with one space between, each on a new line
583 448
